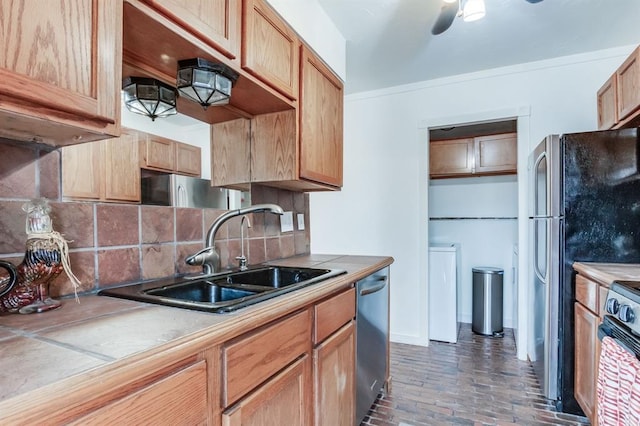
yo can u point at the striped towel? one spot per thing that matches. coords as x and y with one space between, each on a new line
618 387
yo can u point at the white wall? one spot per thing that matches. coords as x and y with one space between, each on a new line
382 208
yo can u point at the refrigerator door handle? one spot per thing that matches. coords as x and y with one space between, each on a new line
536 270
182 196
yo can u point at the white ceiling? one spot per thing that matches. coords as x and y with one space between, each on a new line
389 42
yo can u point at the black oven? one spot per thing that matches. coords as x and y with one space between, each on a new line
622 319
619 332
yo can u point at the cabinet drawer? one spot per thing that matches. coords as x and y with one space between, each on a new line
587 293
333 313
180 398
250 360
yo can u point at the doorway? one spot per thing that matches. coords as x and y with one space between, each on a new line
473 201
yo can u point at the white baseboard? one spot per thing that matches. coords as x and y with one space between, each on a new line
409 340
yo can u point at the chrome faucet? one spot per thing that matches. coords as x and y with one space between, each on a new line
242 259
208 257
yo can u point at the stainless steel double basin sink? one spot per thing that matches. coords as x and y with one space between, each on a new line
223 292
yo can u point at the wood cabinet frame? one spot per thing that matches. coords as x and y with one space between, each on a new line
68 94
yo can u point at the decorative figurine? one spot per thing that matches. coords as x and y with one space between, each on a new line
26 288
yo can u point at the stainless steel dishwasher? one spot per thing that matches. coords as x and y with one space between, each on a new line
372 336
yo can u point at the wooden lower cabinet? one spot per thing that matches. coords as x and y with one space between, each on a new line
276 374
282 400
589 312
179 398
586 338
333 368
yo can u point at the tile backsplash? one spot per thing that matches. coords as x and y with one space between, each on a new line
114 243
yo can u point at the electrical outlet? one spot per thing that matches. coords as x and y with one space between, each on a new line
286 222
300 222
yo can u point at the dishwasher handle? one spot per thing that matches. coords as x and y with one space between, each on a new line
376 285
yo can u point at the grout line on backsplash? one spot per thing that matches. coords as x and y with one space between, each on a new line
96 272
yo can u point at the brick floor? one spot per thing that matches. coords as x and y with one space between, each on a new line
477 381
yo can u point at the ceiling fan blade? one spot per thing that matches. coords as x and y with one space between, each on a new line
447 14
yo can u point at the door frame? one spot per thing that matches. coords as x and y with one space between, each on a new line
522 115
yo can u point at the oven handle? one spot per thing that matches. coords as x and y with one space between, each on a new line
604 330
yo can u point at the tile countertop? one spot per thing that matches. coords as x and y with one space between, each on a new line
606 273
100 333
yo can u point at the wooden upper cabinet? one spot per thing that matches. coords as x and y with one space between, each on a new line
105 170
274 147
216 22
483 155
157 153
188 159
496 153
231 154
607 104
451 157
270 48
122 178
60 70
619 96
628 81
321 121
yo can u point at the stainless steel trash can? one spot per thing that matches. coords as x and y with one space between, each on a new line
487 301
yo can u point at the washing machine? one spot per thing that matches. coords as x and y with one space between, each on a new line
444 275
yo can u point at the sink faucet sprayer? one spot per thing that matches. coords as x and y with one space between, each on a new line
208 257
242 259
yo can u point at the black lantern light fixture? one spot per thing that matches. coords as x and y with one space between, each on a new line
205 82
150 97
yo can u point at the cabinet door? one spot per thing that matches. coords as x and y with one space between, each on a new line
158 153
496 153
586 340
334 373
628 80
60 70
321 120
180 398
270 48
216 22
82 171
283 400
231 154
122 168
607 104
273 147
451 157
188 160
264 353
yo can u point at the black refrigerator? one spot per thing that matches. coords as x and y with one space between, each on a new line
585 206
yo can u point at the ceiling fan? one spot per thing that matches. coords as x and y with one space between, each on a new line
470 10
